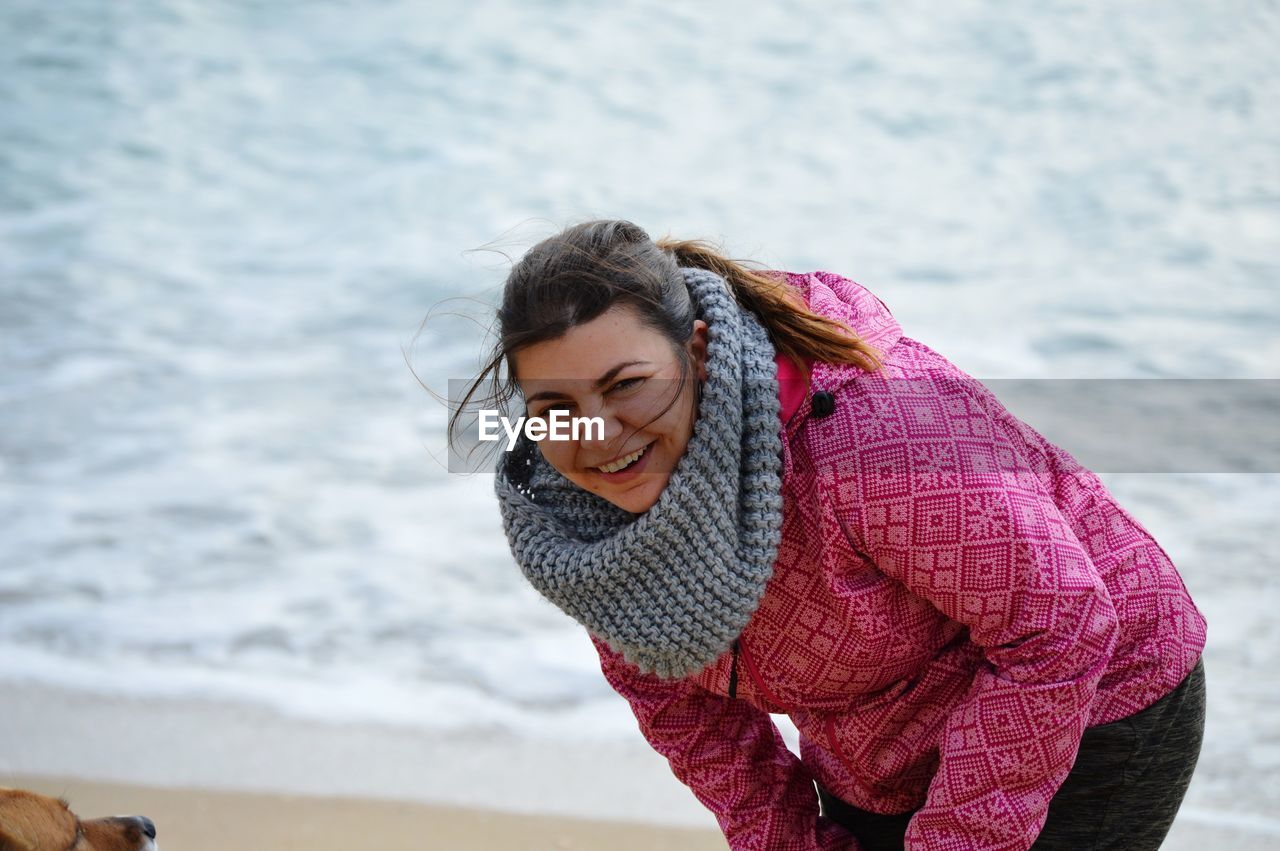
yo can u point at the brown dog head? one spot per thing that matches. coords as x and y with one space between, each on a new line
31 822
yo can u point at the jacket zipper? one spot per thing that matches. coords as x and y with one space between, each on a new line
758 683
835 743
733 672
754 675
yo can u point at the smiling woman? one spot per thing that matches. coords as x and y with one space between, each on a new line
979 647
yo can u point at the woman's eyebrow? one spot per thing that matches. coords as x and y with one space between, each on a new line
599 382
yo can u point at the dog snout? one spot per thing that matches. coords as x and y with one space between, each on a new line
136 833
141 823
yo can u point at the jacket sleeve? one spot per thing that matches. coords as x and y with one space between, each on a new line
732 757
939 496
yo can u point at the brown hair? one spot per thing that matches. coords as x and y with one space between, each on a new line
576 275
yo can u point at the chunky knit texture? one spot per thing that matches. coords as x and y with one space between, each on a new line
671 588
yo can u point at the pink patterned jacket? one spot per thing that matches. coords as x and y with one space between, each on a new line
955 599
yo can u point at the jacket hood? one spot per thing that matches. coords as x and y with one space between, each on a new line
837 297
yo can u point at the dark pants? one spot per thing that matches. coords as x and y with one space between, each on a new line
1122 793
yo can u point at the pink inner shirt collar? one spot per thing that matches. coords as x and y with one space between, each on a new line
791 385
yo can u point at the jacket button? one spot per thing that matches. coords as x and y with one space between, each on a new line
823 403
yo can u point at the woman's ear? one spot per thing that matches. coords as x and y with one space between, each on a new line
698 348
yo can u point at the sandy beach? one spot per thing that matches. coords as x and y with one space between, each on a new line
204 820
223 775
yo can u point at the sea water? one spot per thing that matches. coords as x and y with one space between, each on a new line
221 226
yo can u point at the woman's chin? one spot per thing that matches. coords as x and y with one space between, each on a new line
641 496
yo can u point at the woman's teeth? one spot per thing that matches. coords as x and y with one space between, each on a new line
623 462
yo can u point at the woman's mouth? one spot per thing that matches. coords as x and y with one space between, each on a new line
626 465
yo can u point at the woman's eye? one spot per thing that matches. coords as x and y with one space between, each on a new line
626 384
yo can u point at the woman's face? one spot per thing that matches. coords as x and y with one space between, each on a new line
619 369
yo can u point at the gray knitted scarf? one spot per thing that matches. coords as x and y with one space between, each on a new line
669 589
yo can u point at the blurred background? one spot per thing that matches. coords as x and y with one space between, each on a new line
222 224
